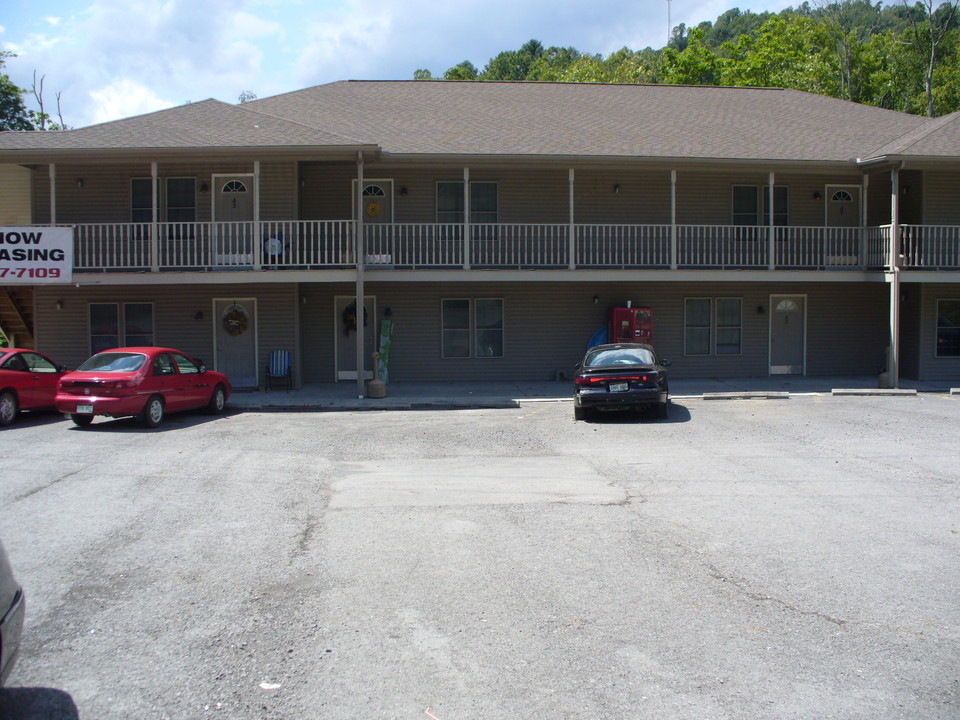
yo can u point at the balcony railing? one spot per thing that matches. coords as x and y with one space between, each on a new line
297 244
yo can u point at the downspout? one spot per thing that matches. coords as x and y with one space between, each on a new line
154 219
257 235
358 255
673 219
893 357
572 240
466 218
772 241
53 194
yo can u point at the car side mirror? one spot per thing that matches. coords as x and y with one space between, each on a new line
61 368
666 363
203 368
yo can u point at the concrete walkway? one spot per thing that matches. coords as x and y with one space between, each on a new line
449 395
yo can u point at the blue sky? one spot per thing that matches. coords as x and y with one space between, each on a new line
116 58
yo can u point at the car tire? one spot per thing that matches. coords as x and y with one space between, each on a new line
81 420
152 414
9 407
663 410
580 413
218 400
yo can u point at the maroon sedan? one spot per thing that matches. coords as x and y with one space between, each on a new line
145 382
28 381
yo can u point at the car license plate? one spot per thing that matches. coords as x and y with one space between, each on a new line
619 387
84 409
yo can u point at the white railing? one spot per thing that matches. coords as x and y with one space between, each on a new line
623 246
930 247
317 244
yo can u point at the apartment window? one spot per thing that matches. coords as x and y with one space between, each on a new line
483 202
948 328
141 209
472 327
751 205
182 200
713 326
116 325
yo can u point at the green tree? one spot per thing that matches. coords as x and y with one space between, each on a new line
462 71
931 24
422 74
13 113
696 64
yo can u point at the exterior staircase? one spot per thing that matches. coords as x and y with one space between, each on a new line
16 315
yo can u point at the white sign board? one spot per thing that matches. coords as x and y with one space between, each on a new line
36 255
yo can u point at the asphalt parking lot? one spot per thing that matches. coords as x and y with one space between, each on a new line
793 558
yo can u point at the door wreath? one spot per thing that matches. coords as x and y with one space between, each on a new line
350 317
235 320
373 209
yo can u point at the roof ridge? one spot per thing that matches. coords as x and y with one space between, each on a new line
297 123
903 143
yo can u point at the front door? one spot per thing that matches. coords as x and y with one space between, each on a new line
236 340
377 206
346 321
233 211
787 334
843 206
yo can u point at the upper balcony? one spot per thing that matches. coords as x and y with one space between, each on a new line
279 245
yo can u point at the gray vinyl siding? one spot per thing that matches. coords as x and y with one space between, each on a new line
931 366
64 333
105 195
911 326
547 326
942 198
16 203
542 196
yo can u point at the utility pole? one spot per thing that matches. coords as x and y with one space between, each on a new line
669 23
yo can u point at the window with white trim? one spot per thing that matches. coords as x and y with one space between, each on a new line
948 328
483 202
712 326
472 327
181 199
117 325
751 205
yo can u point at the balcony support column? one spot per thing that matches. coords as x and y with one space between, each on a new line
358 256
257 234
53 194
154 219
466 218
893 355
572 240
862 245
673 219
772 260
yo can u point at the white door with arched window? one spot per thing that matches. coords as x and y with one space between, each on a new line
233 212
376 203
843 206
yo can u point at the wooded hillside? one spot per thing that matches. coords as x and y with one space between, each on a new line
899 56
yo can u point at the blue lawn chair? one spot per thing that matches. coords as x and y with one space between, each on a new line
280 369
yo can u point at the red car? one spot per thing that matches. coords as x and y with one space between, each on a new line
145 382
28 381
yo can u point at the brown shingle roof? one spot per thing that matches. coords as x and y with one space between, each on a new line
497 120
209 124
593 120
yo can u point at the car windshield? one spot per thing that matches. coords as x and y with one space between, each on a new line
114 362
619 356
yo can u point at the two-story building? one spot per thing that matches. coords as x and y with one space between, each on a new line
493 226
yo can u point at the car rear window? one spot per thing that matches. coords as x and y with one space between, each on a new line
114 362
619 356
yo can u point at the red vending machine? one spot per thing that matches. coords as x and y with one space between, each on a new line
631 325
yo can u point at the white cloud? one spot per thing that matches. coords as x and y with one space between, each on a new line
124 97
51 20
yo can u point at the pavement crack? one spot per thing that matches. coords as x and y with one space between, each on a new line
50 484
760 597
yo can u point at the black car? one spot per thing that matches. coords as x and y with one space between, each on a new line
11 616
623 376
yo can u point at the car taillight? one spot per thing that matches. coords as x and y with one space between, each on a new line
120 384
